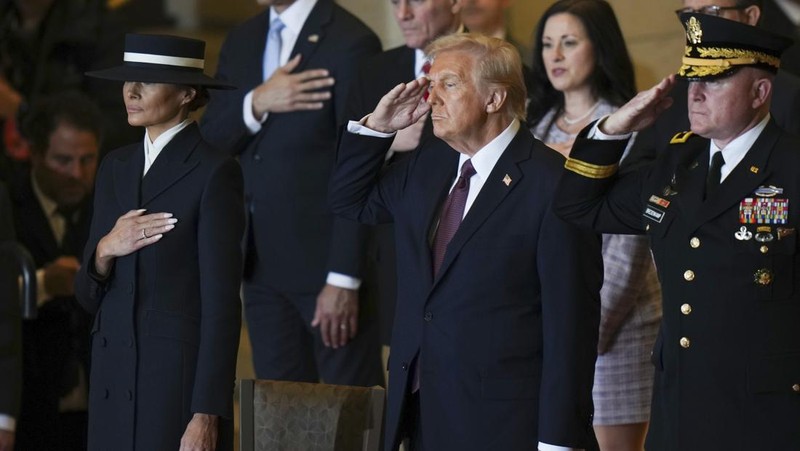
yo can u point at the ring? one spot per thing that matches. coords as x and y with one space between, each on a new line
144 235
343 326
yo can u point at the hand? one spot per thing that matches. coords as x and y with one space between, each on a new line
201 433
6 440
132 231
284 91
407 139
400 107
59 276
10 100
641 111
336 315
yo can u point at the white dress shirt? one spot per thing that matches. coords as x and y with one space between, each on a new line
735 151
152 149
483 161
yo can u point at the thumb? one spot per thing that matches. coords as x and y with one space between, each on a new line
291 64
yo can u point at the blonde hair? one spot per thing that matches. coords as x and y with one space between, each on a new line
496 63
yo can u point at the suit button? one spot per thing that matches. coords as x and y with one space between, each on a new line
764 249
130 395
428 316
685 343
694 242
796 388
257 158
688 275
686 309
404 366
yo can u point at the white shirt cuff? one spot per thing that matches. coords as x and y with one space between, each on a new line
343 281
250 121
7 422
358 128
596 133
42 295
546 447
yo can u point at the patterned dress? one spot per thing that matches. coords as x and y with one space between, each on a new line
631 312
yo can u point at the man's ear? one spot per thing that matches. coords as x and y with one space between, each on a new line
753 14
496 100
762 90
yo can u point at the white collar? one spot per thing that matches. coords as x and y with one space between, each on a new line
735 151
486 158
295 15
153 149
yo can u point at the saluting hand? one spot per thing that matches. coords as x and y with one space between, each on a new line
641 111
132 231
400 108
285 92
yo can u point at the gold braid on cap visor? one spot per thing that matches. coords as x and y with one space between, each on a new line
715 60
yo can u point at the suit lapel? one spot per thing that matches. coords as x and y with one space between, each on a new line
313 32
128 177
744 178
171 165
492 193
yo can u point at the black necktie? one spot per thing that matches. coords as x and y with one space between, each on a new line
69 242
714 174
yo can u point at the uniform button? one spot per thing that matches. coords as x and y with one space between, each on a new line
686 309
404 366
130 395
688 275
257 157
685 343
428 316
796 388
764 249
694 242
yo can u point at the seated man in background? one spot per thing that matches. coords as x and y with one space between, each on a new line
52 209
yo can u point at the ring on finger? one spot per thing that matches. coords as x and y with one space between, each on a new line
144 235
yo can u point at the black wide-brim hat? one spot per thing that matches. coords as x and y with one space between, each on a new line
151 58
716 47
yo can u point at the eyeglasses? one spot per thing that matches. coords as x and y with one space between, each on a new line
711 10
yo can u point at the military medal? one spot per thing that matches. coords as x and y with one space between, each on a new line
743 234
763 210
764 234
659 201
768 191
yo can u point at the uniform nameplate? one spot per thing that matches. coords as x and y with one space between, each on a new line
653 214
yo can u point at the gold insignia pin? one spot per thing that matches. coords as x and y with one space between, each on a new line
507 180
754 169
313 38
693 30
694 165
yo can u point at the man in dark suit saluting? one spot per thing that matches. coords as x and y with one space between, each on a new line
498 300
293 65
721 211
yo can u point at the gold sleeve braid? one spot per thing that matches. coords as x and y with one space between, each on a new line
592 171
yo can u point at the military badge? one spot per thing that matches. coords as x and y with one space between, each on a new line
763 210
783 232
743 234
763 277
694 33
659 201
768 191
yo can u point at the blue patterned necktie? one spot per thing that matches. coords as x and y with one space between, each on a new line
272 52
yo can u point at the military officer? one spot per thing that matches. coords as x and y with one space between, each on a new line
722 210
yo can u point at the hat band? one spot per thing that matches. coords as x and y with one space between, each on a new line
714 56
131 57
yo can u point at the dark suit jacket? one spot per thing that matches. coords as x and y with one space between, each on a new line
728 354
10 339
507 331
774 19
287 164
653 141
167 318
58 338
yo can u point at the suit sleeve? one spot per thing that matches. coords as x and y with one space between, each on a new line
592 194
220 230
222 123
571 270
348 238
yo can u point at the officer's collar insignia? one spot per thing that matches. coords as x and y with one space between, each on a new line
694 33
680 137
754 169
659 201
768 191
507 180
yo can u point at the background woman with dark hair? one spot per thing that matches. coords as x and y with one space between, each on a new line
583 72
162 265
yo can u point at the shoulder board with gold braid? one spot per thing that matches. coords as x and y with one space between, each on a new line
681 137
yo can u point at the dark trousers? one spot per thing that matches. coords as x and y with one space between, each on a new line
286 347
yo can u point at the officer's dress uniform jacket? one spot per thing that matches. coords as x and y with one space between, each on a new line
728 353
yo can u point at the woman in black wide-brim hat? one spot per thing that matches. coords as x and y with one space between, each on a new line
163 264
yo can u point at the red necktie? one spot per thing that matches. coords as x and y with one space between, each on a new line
452 213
